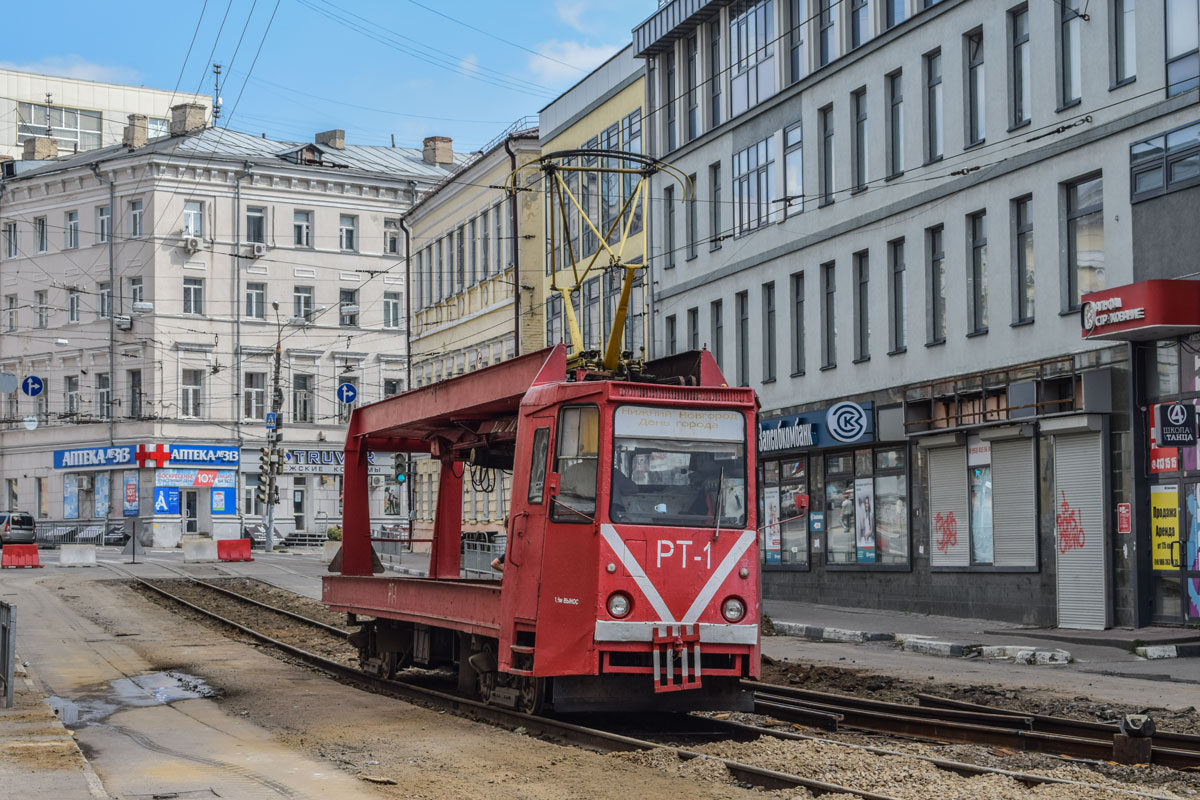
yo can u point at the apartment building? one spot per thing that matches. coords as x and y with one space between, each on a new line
601 112
477 250
147 286
902 208
77 114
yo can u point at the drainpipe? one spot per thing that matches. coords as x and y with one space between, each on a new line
410 491
112 294
516 251
237 325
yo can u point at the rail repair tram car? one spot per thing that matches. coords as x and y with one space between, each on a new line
631 579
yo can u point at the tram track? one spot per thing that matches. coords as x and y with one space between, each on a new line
768 702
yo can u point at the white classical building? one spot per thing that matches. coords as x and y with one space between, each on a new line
145 286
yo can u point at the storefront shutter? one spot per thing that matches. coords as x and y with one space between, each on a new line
1079 515
1014 503
949 520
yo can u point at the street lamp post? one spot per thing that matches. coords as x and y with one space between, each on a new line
274 437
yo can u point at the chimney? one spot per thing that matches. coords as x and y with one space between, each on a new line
439 151
187 118
335 138
135 132
40 148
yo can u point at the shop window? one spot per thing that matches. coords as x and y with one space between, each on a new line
785 512
866 507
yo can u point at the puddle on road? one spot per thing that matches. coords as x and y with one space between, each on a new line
140 691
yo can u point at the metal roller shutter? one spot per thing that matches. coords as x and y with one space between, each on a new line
1014 503
949 521
1079 533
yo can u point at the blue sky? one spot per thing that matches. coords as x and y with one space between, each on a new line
377 68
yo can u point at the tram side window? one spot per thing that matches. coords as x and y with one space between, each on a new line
575 460
537 469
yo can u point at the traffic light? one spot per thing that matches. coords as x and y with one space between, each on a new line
264 462
260 493
400 469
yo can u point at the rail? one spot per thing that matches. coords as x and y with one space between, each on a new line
8 649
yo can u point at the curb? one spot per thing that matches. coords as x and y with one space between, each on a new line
1168 651
926 645
830 634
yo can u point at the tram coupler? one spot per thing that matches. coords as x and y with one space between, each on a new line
676 644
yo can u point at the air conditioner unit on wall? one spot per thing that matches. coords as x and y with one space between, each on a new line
191 244
123 322
257 249
84 482
376 481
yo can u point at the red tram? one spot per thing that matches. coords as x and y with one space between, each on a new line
631 578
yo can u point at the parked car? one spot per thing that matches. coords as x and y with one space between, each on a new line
16 527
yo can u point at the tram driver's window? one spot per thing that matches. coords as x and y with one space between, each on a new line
575 461
537 469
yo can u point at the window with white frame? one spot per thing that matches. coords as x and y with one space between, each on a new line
254 392
302 303
484 255
256 300
73 128
391 309
73 300
71 392
256 224
10 312
302 228
754 186
41 309
136 292
103 223
302 398
105 293
347 232
391 237
10 240
71 230
136 395
348 308
193 218
191 402
193 295
39 231
135 218
104 395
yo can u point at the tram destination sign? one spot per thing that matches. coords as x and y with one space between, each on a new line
1177 424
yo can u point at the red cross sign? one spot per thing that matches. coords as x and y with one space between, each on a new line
159 456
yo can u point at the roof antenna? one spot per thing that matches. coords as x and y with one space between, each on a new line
393 140
216 93
49 103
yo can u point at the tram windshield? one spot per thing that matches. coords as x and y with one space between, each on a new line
679 467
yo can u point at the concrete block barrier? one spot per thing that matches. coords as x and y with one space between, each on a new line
199 551
329 551
932 647
77 555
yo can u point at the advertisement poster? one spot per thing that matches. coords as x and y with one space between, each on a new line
1164 525
224 501
864 520
391 497
187 478
103 494
70 497
166 500
130 503
771 531
1191 552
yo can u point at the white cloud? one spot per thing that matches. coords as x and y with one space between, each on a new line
469 65
571 12
568 60
76 66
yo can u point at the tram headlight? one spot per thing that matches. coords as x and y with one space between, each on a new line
619 605
733 609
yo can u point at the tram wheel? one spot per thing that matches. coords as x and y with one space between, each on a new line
533 695
487 678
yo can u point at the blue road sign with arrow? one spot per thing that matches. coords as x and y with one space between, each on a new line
346 393
32 385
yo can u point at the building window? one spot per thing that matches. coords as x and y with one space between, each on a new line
862 306
798 324
103 224
191 404
669 226
41 309
825 117
716 76
136 292
460 256
591 314
10 240
978 276
39 231
1023 290
135 394
1070 54
937 284
1124 38
391 310
391 238
302 303
933 106
302 228
74 129
976 123
484 261
692 223
754 186
768 314
793 170
894 12
554 320
742 337
799 55
716 233
255 393
751 54
669 95
10 312
71 390
693 329
1183 46
193 295
692 47
828 316
193 218
860 22
302 398
105 293
895 133
785 485
898 291
858 102
671 346
1085 238
1165 162
73 298
347 232
72 230
827 24
256 225
344 409
1022 77
497 232
135 218
392 386
866 507
256 300
348 308
104 395
716 322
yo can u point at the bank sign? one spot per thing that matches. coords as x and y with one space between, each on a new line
86 458
326 462
840 424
